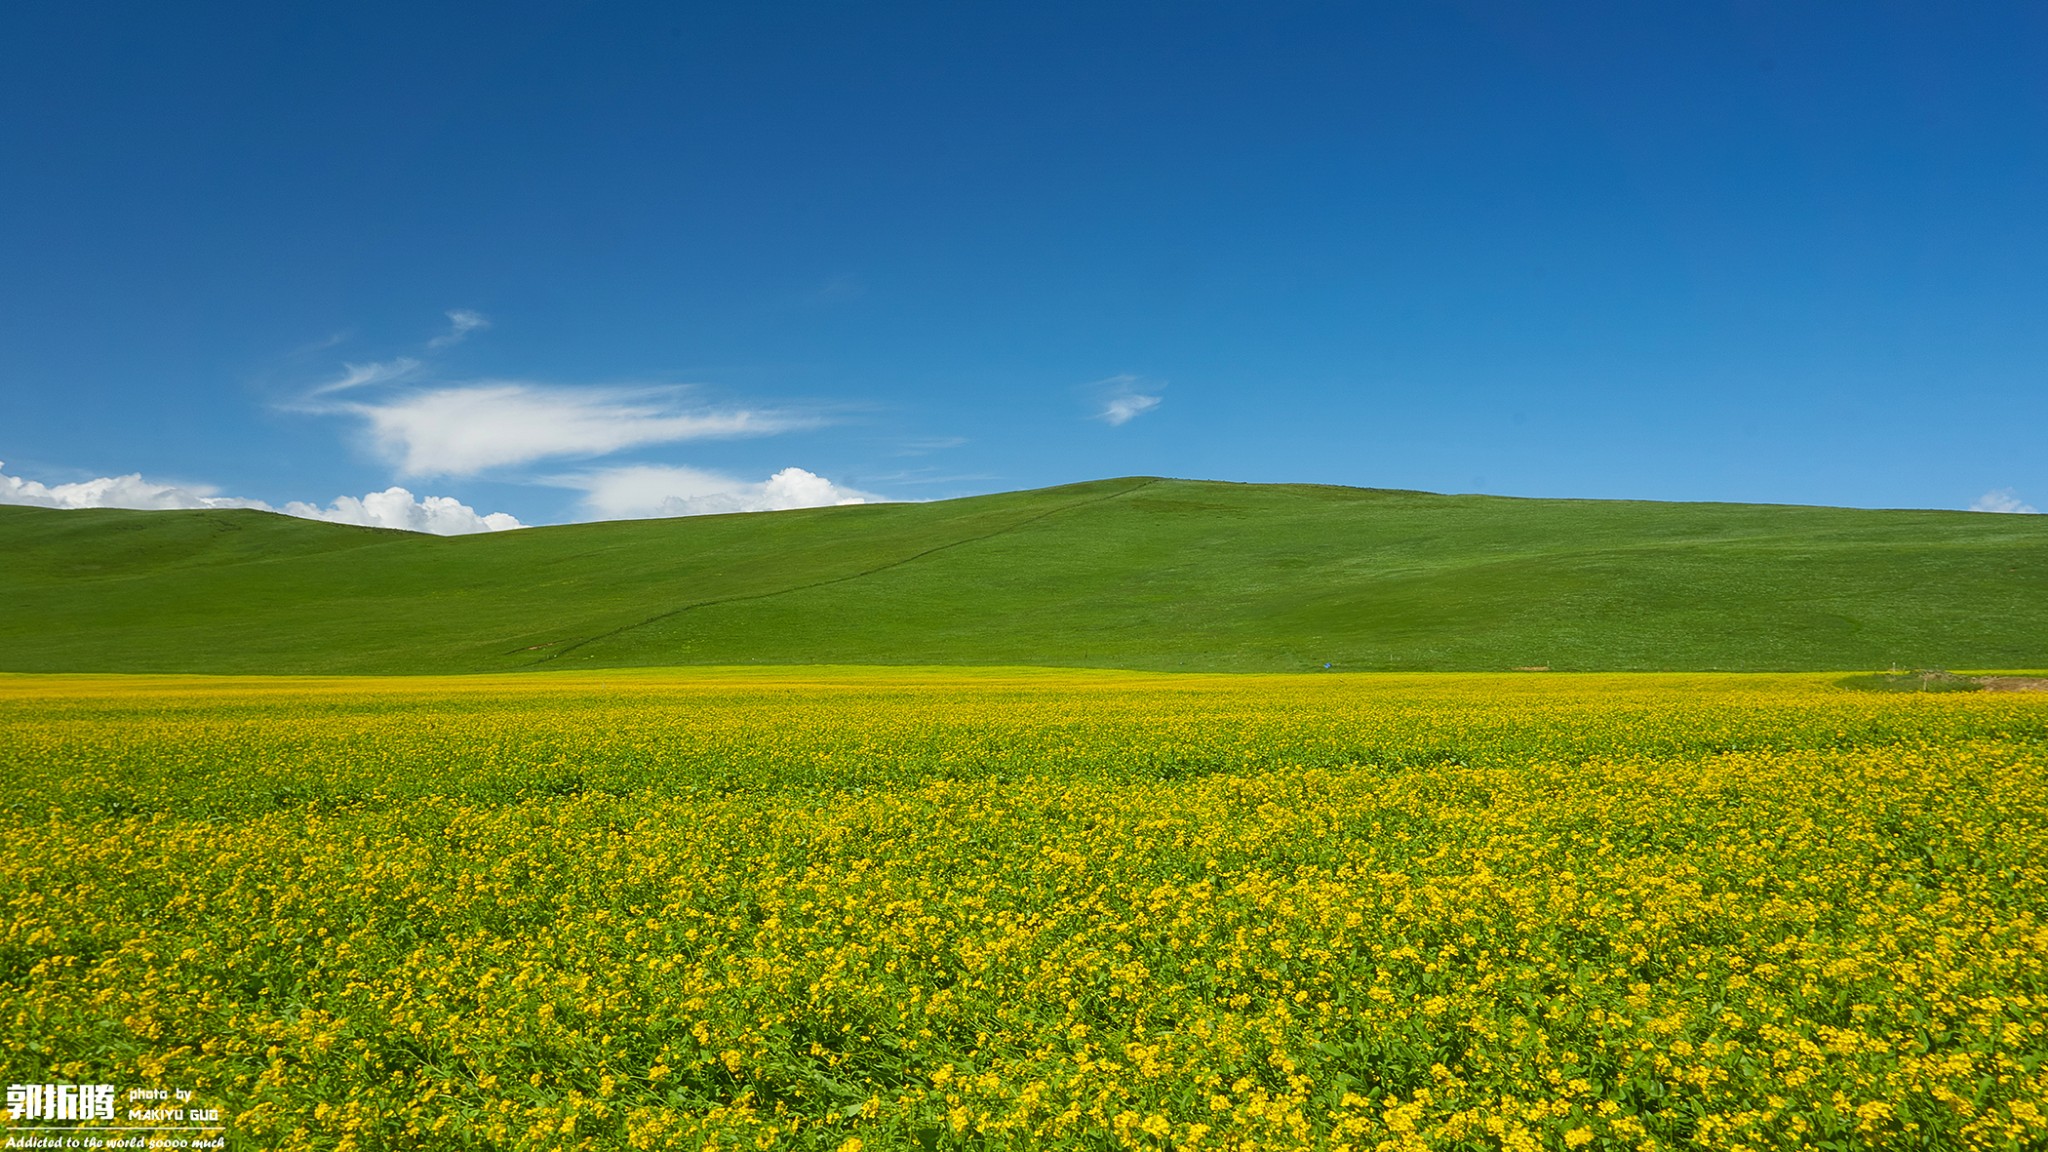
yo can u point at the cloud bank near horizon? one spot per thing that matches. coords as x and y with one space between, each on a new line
392 508
2002 500
644 491
427 424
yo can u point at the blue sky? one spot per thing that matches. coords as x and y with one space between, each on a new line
566 261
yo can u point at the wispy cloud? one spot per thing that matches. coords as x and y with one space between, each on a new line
932 476
2002 500
837 289
391 508
427 424
365 375
331 340
464 429
1123 409
650 490
1121 399
461 322
929 445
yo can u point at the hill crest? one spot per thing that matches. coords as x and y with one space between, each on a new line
1140 572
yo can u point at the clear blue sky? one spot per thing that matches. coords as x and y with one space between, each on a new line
567 260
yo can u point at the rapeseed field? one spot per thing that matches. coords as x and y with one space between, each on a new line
849 910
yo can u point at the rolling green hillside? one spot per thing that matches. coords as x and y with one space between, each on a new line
1140 573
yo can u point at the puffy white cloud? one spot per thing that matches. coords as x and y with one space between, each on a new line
644 490
2001 500
466 429
391 508
1121 400
461 322
397 508
130 491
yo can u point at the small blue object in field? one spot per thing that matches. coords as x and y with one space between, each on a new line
1326 665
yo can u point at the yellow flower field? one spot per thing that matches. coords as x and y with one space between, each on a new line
844 909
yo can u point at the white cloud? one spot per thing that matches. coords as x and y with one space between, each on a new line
428 425
391 508
397 508
2001 500
461 322
646 490
360 375
130 491
465 429
1121 409
1121 400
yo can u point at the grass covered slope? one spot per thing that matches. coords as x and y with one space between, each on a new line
1141 573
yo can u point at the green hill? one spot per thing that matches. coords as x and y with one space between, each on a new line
1140 573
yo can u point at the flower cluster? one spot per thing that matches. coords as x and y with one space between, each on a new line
866 910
